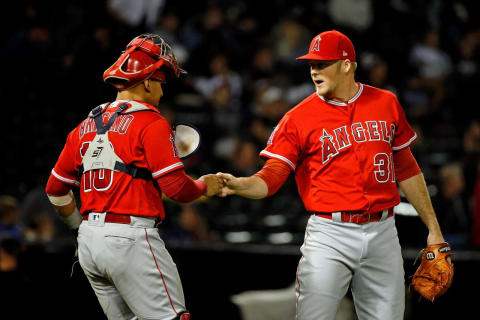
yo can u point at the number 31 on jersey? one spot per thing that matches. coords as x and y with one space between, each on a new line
384 170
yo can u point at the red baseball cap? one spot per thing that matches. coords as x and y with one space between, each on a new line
330 45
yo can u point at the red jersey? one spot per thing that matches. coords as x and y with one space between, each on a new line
341 153
141 137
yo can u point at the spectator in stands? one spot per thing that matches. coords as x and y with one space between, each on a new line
9 218
189 226
233 47
433 65
475 229
269 107
288 37
222 88
194 224
352 13
471 154
453 210
134 13
168 28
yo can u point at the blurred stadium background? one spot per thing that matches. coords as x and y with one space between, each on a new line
242 77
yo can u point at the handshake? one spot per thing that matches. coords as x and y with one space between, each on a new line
224 184
220 184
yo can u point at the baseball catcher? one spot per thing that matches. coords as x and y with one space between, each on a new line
435 273
123 157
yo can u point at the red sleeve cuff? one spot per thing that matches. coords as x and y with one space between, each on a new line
181 188
405 164
274 173
201 185
56 187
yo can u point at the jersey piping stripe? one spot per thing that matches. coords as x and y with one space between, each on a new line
406 143
338 103
298 287
161 274
277 156
159 172
359 92
59 177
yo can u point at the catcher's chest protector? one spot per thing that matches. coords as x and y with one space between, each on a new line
100 153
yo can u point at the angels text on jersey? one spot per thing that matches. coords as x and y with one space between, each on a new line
341 137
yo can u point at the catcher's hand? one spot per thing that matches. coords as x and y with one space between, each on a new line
435 273
214 184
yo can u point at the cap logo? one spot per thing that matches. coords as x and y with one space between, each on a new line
345 53
316 44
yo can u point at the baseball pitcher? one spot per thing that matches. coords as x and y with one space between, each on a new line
347 145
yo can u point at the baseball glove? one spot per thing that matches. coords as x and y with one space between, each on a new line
435 273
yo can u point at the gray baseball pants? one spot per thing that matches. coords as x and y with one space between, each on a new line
338 255
131 272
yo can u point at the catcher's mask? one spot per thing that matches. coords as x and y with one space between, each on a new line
146 56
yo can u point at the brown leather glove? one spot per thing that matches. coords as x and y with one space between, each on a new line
435 273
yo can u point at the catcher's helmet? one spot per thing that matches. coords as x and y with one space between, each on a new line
146 56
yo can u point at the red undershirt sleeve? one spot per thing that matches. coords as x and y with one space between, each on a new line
56 188
405 164
275 172
181 188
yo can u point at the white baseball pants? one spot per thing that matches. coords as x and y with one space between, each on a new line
337 255
131 272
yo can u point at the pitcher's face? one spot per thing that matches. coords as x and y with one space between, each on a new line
325 76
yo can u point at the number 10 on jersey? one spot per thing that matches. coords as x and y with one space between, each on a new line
99 179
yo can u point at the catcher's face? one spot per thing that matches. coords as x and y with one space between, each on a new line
326 76
154 90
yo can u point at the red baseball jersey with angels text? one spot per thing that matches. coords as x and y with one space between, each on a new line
341 153
140 138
